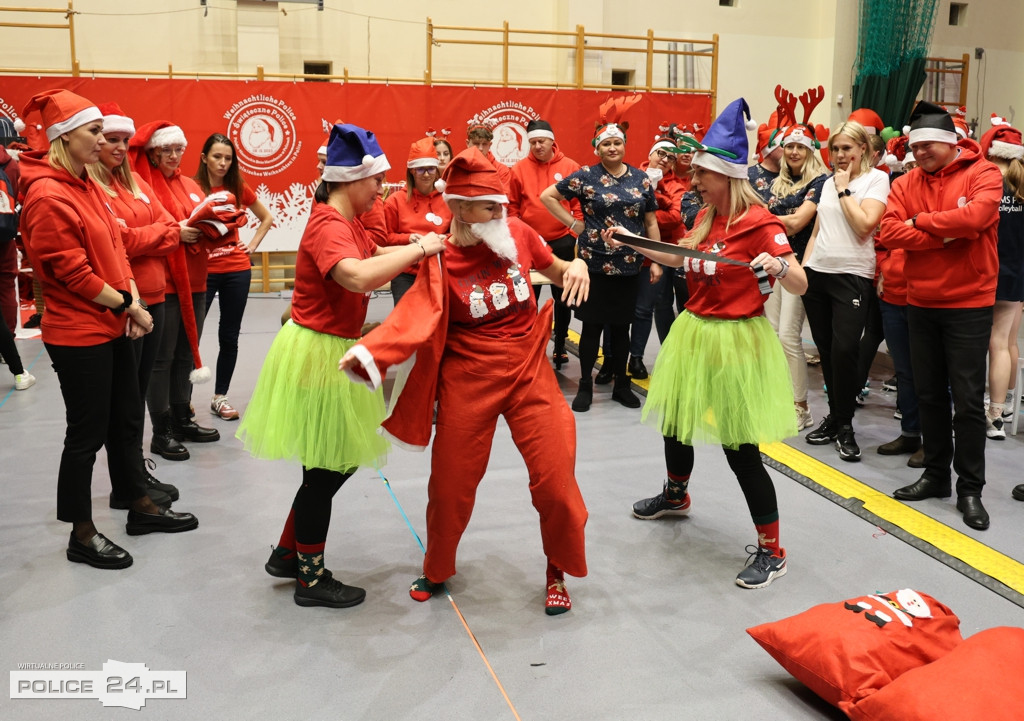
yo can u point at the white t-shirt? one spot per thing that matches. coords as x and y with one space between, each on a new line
837 249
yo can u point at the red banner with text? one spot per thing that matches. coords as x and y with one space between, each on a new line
277 127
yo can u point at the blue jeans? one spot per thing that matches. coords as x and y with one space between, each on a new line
897 338
234 294
652 302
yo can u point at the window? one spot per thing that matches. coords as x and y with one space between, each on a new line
727 3
316 68
623 78
958 13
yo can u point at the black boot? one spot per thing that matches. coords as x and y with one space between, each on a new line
584 396
164 443
186 429
622 393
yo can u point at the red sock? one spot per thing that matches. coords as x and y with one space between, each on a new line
557 601
768 537
288 534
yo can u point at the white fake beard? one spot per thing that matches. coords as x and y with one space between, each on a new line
496 236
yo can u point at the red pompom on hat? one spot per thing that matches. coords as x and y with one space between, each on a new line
470 176
422 154
115 120
1002 141
61 111
869 119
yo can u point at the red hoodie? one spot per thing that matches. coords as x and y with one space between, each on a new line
74 244
669 195
404 217
151 234
959 201
530 178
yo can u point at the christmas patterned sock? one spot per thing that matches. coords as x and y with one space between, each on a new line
423 588
557 601
768 536
676 487
311 563
286 546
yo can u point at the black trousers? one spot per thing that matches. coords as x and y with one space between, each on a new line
947 352
103 408
837 307
564 248
168 382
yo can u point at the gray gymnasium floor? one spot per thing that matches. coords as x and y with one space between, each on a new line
656 630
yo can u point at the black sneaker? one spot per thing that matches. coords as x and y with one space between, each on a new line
824 434
889 385
846 444
636 368
657 506
330 592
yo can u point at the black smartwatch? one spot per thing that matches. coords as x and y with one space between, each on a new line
142 304
845 193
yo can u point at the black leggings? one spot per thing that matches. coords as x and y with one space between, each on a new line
618 345
745 462
312 504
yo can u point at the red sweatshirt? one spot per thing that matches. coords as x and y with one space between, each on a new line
151 234
74 244
959 201
894 281
405 217
530 178
373 221
669 195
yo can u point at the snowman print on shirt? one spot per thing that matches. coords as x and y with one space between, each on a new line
519 284
477 306
499 295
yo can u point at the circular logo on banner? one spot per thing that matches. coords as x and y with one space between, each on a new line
263 131
508 120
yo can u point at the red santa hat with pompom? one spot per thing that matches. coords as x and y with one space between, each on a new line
1002 140
50 114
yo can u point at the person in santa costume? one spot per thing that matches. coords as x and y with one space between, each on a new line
302 408
546 164
155 152
721 374
473 326
149 234
417 211
92 314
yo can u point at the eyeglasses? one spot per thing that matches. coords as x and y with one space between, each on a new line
664 154
176 150
424 171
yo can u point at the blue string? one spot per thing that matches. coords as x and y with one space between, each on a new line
402 511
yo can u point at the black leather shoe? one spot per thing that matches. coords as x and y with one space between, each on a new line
636 368
166 521
975 514
903 444
605 375
330 592
153 483
158 497
186 429
164 443
584 396
1018 492
922 489
98 552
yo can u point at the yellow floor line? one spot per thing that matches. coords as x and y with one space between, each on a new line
975 554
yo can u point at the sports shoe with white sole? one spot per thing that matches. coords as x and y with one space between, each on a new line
803 418
994 429
24 381
657 506
763 567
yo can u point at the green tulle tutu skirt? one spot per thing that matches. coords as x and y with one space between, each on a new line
305 409
723 382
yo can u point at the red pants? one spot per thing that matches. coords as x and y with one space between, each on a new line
480 379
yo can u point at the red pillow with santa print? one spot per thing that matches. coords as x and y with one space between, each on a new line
846 651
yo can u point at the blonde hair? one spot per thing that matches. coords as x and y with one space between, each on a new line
741 197
783 186
59 157
1014 177
122 175
855 132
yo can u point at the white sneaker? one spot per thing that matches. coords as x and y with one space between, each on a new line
803 418
994 429
24 381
